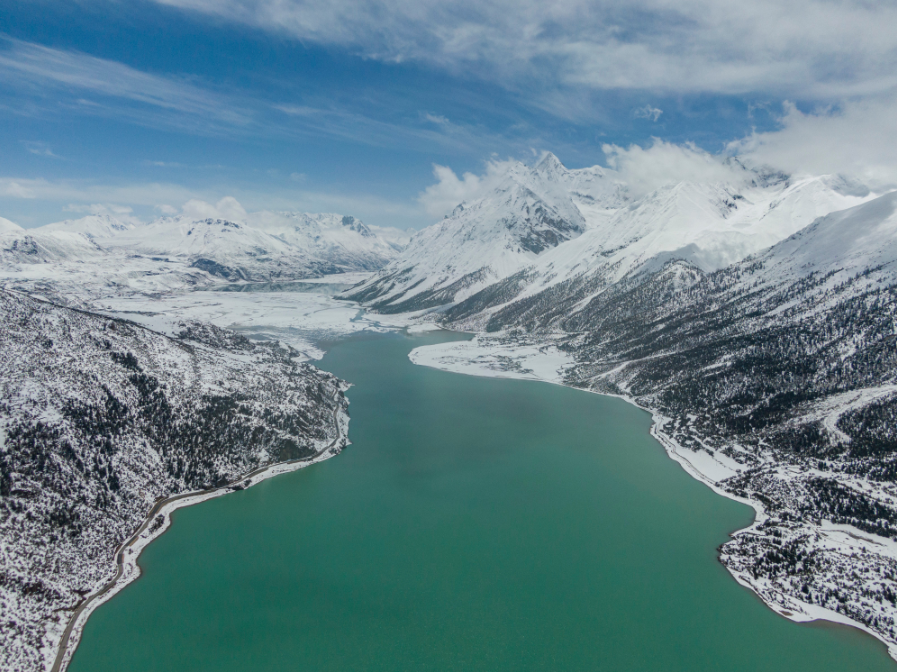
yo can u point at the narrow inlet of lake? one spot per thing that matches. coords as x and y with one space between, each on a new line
473 524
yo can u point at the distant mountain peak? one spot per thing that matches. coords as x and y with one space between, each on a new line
549 163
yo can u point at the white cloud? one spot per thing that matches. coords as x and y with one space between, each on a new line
123 213
647 112
663 163
227 208
441 198
27 196
642 169
75 193
810 48
15 189
99 208
856 138
39 148
40 69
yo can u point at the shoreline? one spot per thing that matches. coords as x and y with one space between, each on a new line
128 553
672 448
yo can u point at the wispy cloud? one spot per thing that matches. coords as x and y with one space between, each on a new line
857 138
807 48
39 148
82 196
83 84
81 192
647 112
32 66
428 131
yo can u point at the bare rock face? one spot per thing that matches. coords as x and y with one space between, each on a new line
99 418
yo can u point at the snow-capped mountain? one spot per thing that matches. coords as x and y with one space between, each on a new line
7 226
230 250
329 236
843 244
169 251
606 234
264 246
94 226
20 246
529 211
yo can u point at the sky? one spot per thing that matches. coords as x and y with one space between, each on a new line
379 108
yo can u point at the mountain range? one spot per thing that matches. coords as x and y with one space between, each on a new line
754 316
262 246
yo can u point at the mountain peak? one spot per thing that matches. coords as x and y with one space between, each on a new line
7 226
549 163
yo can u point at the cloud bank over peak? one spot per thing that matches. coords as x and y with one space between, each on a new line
449 190
645 169
227 208
857 138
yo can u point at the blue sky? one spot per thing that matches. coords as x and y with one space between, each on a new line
347 106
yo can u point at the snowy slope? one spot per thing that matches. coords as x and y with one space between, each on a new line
527 230
530 211
266 245
94 226
340 239
101 418
41 247
848 242
7 226
709 226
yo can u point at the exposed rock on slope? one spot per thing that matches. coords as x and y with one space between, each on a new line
99 418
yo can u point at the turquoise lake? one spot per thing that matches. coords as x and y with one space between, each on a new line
473 524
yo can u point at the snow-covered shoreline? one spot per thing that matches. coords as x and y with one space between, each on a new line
547 364
128 554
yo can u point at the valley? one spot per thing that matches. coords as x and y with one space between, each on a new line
754 318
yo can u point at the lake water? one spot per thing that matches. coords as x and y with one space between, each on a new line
474 524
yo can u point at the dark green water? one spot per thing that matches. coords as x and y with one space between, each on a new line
475 524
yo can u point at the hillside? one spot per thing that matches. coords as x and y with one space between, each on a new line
100 418
775 380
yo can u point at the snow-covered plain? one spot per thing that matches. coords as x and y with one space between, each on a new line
299 319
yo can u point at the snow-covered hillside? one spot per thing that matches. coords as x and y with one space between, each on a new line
101 418
773 379
94 226
530 211
341 238
512 232
184 252
7 226
30 247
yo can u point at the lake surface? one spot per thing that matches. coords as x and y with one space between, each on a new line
474 524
